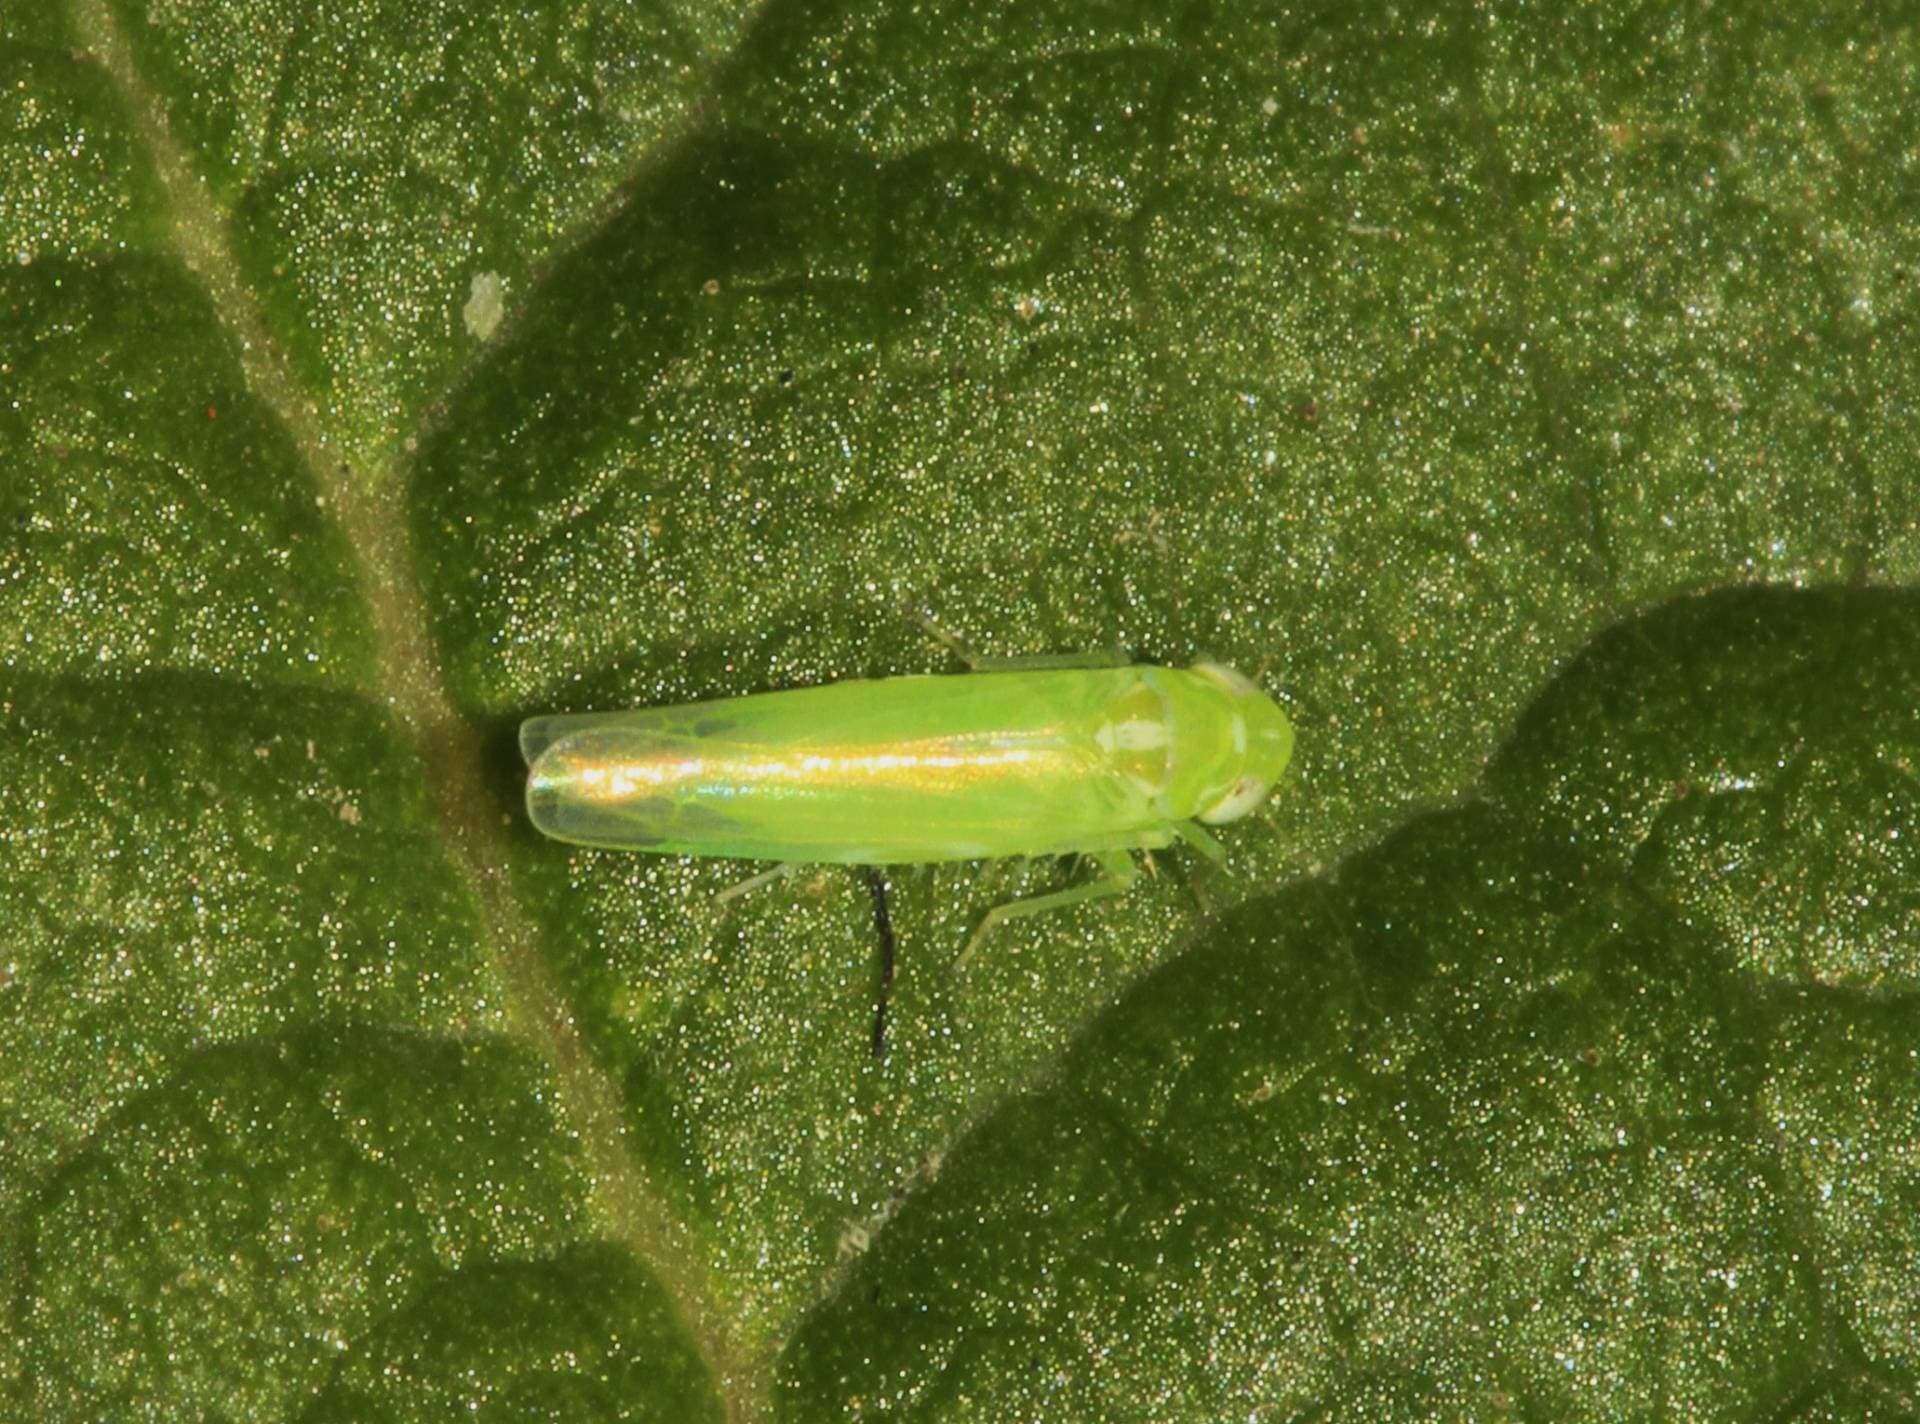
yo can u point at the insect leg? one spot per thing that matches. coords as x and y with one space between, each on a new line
1197 837
1040 662
1028 662
754 882
883 926
1120 872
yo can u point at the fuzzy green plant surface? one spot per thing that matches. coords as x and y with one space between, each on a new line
1527 394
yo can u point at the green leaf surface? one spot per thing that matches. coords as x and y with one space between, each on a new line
1525 395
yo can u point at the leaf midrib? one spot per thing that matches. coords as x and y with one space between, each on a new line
369 506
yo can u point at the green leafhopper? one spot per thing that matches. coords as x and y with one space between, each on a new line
904 770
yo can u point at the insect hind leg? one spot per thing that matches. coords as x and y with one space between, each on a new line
1118 879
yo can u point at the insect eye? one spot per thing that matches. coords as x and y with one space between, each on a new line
1240 798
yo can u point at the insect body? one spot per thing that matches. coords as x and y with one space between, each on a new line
909 770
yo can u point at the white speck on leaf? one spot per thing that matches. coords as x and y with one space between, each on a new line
486 304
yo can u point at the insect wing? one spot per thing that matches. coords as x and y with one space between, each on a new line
611 780
895 771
